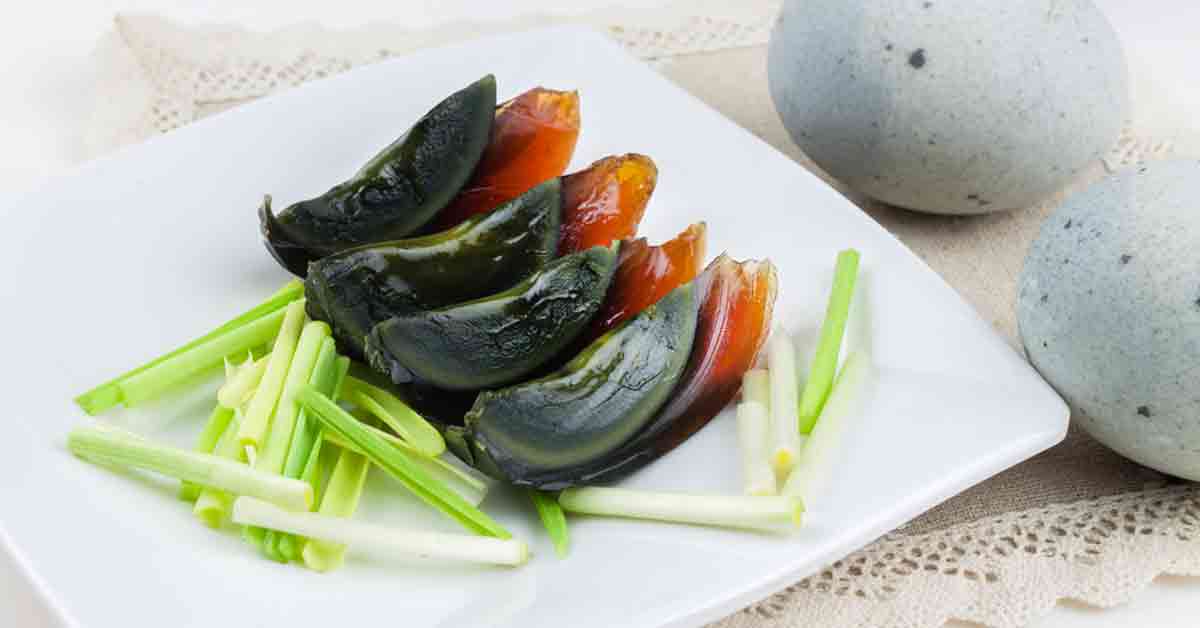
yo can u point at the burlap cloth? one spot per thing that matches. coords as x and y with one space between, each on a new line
1075 522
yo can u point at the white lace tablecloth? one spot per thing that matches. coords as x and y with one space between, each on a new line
1077 522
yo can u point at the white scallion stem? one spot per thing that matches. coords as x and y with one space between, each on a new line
340 500
212 505
214 430
262 405
858 338
756 387
239 388
273 455
279 437
769 513
758 478
365 537
785 401
805 342
844 403
117 447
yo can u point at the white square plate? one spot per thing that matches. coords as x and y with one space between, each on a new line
135 253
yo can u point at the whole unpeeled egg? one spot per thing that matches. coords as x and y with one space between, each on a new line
1109 311
949 106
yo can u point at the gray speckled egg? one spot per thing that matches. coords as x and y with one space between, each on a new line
949 106
1109 311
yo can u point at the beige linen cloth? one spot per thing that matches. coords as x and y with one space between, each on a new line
1076 522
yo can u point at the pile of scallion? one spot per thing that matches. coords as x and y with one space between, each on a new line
793 413
282 458
285 452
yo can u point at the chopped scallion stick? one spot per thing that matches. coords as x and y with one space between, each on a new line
372 538
785 401
396 414
321 460
813 465
553 519
218 420
340 500
246 376
758 478
468 482
824 364
114 446
756 387
805 341
283 422
212 505
858 321
464 482
154 381
318 464
306 433
305 436
108 395
384 455
770 513
262 405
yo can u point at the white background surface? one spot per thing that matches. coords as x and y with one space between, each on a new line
46 82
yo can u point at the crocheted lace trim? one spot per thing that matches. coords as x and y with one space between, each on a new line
1002 571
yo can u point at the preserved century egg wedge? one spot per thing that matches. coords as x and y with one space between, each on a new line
734 319
397 192
606 201
647 273
498 339
355 289
586 410
533 139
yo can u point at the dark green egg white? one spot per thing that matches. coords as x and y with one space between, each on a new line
358 288
530 433
500 339
397 192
